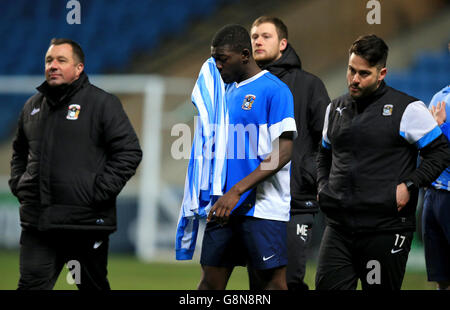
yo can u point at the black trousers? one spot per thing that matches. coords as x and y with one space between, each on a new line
43 255
377 259
299 234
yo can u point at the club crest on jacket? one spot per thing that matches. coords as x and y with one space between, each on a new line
74 111
248 102
387 109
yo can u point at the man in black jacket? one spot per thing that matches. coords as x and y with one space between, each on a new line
367 174
73 152
272 52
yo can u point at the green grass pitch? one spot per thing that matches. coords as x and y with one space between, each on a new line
128 273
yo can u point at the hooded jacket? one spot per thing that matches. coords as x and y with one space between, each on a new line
73 152
310 102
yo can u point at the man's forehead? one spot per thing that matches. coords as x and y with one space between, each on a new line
266 27
359 63
222 50
60 49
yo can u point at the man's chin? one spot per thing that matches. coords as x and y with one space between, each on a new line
355 95
226 80
259 57
263 59
54 83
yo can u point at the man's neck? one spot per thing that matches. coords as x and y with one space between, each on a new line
252 69
267 62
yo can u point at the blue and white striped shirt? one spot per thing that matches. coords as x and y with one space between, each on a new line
205 178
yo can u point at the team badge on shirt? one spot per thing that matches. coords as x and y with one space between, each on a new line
387 109
74 111
248 102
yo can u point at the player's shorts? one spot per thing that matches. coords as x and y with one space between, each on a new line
436 234
259 243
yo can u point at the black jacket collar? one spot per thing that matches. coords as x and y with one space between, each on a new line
58 94
288 60
363 103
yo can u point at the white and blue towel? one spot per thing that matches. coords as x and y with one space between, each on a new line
205 178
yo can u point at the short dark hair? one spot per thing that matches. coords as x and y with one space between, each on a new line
371 48
281 28
235 36
76 48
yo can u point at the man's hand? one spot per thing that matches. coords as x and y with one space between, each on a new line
221 210
439 113
277 159
402 196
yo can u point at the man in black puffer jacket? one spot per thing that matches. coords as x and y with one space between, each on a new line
273 53
73 152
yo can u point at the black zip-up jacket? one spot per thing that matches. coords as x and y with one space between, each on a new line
367 157
73 152
310 102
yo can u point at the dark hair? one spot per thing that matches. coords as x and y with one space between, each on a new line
371 48
235 36
281 28
76 48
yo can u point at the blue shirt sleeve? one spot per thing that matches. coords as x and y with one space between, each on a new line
418 125
445 127
281 112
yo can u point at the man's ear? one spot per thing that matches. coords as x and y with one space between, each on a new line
283 44
245 55
382 75
79 67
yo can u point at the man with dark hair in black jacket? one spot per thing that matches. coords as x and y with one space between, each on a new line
73 152
368 175
272 52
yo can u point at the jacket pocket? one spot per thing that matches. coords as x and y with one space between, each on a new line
377 197
77 189
327 202
26 188
76 217
393 198
307 181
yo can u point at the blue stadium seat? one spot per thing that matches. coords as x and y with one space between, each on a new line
111 32
426 76
103 23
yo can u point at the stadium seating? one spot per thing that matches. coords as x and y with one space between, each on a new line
428 74
114 29
111 31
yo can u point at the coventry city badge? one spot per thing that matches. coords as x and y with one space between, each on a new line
387 109
74 111
248 102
